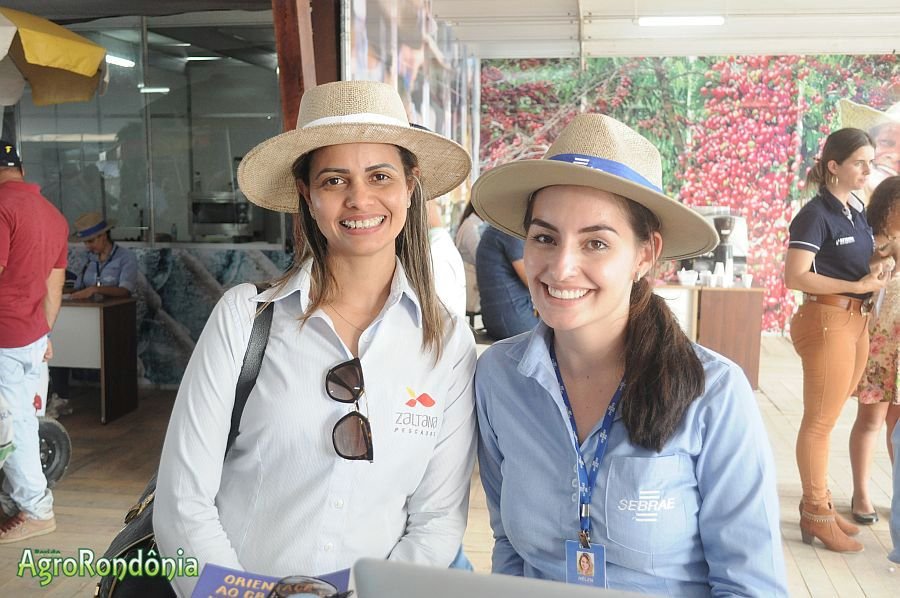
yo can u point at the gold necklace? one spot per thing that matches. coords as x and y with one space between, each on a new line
341 316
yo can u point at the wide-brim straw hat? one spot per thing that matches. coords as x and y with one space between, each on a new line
866 118
348 112
597 151
90 225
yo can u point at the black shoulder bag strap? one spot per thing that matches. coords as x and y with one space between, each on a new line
256 348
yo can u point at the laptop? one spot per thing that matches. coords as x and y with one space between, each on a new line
373 578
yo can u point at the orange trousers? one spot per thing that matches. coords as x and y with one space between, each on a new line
833 344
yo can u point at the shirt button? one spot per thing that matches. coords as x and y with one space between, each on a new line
328 547
339 504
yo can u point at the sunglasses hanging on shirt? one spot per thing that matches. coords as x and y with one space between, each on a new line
352 434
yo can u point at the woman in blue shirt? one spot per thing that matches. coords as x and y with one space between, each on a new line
605 430
111 270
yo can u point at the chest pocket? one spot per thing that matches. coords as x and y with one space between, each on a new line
650 502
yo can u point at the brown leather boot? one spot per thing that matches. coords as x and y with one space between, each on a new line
846 526
818 521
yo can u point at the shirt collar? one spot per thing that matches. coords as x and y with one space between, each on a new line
95 257
401 290
836 205
533 356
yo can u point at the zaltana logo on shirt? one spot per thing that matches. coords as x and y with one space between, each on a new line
410 418
648 505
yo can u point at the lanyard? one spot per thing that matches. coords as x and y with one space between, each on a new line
587 479
105 264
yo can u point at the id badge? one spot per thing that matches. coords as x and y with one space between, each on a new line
585 566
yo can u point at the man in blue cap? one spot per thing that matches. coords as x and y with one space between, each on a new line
33 251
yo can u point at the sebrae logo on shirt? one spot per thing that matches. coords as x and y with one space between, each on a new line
647 506
845 241
415 416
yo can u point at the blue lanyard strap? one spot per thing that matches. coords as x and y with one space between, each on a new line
587 478
106 263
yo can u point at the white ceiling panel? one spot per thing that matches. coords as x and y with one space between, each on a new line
566 28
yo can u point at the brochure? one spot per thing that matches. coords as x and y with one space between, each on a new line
216 581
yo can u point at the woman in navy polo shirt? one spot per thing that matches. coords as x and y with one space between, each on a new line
830 259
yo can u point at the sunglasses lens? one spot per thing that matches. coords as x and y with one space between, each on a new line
344 382
352 437
302 587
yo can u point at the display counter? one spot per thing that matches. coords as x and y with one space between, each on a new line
726 320
101 335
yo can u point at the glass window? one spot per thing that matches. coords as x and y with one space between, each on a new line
158 153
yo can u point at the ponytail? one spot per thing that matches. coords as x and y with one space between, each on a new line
663 374
815 178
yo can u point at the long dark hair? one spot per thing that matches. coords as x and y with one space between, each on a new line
663 374
839 146
884 205
411 247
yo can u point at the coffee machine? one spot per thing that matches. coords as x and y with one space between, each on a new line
733 245
724 251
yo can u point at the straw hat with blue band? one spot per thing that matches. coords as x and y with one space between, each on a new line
90 225
597 151
348 112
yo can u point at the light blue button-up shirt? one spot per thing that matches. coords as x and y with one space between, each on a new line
119 270
700 518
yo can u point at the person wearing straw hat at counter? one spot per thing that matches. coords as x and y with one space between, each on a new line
111 270
604 429
358 439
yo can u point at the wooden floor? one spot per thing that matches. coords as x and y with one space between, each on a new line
111 464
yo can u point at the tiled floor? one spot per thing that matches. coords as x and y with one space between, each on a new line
111 464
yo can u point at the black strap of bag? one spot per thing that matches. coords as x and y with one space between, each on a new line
256 348
137 536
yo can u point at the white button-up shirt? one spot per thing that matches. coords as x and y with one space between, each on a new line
283 502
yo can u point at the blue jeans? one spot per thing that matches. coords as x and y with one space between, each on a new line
895 503
25 487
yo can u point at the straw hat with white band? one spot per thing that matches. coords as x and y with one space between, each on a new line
866 118
597 151
348 112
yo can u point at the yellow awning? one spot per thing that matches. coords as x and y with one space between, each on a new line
61 66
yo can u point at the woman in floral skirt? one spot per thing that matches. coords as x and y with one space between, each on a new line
879 389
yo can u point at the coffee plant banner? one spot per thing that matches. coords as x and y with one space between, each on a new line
735 131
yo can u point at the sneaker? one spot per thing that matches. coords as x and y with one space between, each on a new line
21 527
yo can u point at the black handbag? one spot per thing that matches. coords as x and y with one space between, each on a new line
136 539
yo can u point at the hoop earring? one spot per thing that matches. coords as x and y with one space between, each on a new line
409 203
638 276
833 180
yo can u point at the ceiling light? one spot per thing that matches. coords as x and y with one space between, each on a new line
201 58
154 89
118 61
700 21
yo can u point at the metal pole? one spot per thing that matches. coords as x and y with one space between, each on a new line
145 63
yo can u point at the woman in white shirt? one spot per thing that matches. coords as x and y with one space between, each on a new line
358 438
